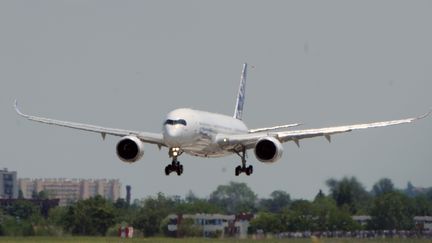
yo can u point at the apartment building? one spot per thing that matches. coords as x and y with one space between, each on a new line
8 184
71 190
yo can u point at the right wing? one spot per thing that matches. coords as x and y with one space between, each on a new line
153 138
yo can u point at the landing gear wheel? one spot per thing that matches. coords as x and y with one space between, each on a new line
238 170
167 169
175 166
179 169
249 170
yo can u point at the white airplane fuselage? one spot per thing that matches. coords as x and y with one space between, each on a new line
195 132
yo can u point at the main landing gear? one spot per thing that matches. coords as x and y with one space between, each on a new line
248 170
175 165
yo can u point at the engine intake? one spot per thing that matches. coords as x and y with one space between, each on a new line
268 150
130 149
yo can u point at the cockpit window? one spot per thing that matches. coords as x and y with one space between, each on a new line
175 122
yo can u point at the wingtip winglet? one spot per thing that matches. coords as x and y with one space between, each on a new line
17 109
426 114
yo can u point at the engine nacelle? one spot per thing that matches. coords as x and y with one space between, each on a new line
130 149
268 150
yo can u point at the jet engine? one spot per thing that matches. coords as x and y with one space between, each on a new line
130 149
268 150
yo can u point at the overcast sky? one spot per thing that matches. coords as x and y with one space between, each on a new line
125 64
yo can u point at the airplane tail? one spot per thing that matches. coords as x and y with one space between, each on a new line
238 112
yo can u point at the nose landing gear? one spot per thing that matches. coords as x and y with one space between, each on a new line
175 165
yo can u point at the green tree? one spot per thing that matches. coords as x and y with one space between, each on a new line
121 203
276 203
57 216
197 206
92 216
23 209
349 193
410 190
234 198
191 197
330 217
422 206
383 186
393 210
429 194
20 194
320 195
2 220
301 216
42 195
124 212
153 212
268 222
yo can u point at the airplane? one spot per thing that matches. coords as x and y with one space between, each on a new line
209 135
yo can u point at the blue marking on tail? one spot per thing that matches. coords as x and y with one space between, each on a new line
238 112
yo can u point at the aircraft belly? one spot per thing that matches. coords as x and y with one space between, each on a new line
205 149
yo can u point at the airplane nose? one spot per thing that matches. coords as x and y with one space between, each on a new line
171 132
171 135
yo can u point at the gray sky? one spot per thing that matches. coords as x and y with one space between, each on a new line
125 64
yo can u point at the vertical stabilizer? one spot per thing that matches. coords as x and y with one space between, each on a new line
238 112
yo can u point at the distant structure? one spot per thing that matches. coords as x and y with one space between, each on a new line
8 184
423 223
71 190
362 220
212 224
128 194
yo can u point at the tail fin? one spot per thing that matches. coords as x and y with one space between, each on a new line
238 112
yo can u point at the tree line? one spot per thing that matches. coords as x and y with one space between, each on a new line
389 208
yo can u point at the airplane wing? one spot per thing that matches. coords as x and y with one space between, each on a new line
265 129
153 138
248 141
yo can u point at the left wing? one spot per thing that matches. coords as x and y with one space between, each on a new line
249 140
154 138
266 129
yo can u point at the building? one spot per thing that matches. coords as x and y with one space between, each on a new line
214 224
8 184
71 190
362 220
423 223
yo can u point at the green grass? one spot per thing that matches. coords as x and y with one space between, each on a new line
198 240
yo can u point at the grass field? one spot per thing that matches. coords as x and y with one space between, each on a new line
198 240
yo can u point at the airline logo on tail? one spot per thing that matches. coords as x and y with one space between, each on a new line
238 113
